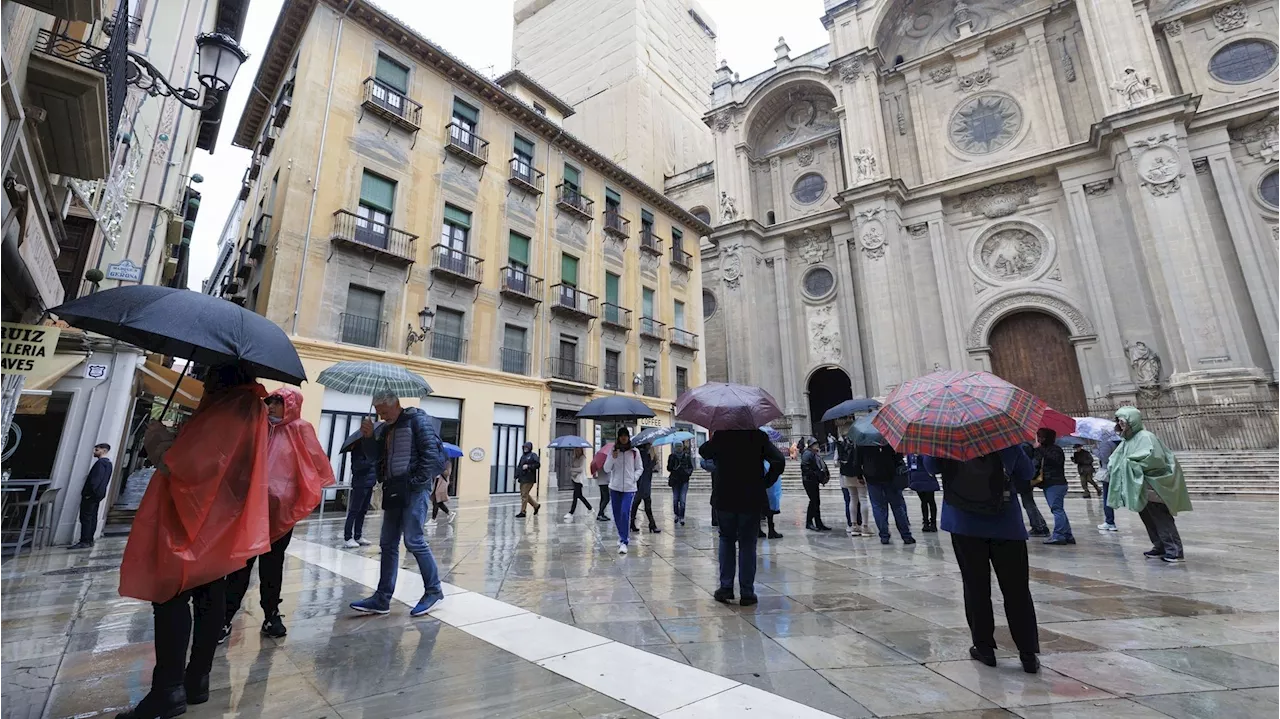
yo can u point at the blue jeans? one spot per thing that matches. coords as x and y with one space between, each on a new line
357 505
406 521
883 497
1108 514
620 503
738 533
678 494
1055 495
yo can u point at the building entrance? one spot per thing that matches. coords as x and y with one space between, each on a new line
1033 350
828 387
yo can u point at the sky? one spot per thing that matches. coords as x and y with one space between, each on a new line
478 32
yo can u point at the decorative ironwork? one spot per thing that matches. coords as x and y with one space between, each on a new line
515 361
652 329
683 338
448 348
615 315
519 284
650 243
455 263
571 300
566 368
364 331
392 104
365 233
525 176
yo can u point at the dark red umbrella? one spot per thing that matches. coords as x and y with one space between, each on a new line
958 415
721 405
1061 424
597 462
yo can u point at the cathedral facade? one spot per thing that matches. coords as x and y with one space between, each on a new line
1078 196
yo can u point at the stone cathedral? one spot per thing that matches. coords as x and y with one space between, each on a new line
1080 196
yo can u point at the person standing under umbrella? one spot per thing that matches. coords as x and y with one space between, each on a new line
364 477
527 475
1039 527
623 465
1052 465
644 488
852 486
1146 478
679 470
813 473
578 474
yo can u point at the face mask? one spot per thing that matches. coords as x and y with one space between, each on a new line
275 420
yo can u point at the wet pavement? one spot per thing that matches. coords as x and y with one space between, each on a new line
544 619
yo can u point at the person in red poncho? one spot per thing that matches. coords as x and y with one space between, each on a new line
298 470
204 514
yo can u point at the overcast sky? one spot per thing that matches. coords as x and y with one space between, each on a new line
478 32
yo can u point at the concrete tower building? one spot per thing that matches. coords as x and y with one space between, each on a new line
638 74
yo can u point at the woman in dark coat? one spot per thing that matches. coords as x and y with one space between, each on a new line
924 484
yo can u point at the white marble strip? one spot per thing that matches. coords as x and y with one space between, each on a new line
653 684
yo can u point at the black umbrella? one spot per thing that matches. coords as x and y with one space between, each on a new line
848 407
615 407
569 441
182 323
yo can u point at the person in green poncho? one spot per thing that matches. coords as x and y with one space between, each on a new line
1145 477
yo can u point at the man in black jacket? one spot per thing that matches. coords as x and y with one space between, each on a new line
94 491
739 485
812 470
527 477
1051 464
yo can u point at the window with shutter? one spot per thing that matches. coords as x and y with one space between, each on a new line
392 74
611 288
373 214
569 270
679 315
572 178
647 302
518 251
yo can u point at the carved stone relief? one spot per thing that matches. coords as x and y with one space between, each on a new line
814 245
1158 165
865 164
1135 89
799 118
1173 28
804 156
985 123
1260 138
728 208
872 240
1201 165
1077 322
1099 188
850 70
918 232
1231 17
941 73
976 80
1000 52
731 266
824 334
1146 366
1000 200
1010 254
1068 65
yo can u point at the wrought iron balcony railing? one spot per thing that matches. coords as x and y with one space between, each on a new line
465 142
615 316
615 224
526 176
364 233
566 368
571 198
652 329
681 259
518 284
364 331
448 348
571 300
683 338
515 361
388 102
650 243
456 264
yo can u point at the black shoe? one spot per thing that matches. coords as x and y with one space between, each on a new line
1153 553
537 509
81 545
521 515
197 689
601 518
1171 560
653 529
760 534
885 540
1030 663
1087 496
1071 540
164 704
273 626
635 529
748 600
1059 541
810 526
986 658
225 633
909 540
715 522
1039 532
823 528
774 535
724 596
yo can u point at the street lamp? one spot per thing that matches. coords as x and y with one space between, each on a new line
425 319
220 60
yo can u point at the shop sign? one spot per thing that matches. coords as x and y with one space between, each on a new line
36 253
124 270
28 348
95 371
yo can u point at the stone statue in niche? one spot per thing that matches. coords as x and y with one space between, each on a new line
1145 363
1135 89
728 208
1011 254
865 164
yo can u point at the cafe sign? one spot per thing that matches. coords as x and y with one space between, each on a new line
28 348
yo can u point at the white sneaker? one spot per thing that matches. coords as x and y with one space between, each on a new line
363 542
1108 527
848 531
452 516
622 548
568 517
351 544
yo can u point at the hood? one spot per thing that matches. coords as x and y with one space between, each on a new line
292 403
1132 416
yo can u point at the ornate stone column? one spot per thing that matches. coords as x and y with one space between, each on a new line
871 225
1122 52
1048 87
842 237
948 284
791 403
863 125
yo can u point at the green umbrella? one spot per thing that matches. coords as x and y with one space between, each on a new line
373 378
864 434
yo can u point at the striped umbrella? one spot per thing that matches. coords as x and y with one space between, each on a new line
373 378
958 415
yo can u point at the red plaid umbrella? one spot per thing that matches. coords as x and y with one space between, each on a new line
1061 424
958 415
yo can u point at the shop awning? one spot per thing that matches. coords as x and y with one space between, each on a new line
57 366
158 380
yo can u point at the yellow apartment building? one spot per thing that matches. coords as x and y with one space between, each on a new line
404 208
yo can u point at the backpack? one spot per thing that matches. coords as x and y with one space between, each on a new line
880 465
979 485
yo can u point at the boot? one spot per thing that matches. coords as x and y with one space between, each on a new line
773 533
159 704
197 689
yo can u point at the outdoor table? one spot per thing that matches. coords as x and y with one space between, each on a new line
11 487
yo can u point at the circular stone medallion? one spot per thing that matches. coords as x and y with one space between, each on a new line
1010 254
985 123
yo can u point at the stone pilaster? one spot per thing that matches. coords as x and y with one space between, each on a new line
845 243
792 402
1119 39
872 222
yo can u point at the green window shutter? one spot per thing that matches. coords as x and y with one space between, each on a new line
518 249
524 147
392 73
466 112
646 217
377 192
676 236
611 195
572 176
569 270
611 293
648 303
453 215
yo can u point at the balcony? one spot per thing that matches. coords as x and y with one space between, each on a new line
465 143
681 259
571 199
616 317
683 338
364 331
255 167
391 105
281 114
519 285
455 264
364 234
244 268
650 244
261 229
572 302
651 388
652 329
569 370
515 361
230 286
448 348
269 141
81 89
132 26
525 176
616 225
612 378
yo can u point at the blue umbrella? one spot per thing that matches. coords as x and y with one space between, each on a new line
452 450
1070 442
569 441
649 434
864 434
673 438
774 435
848 407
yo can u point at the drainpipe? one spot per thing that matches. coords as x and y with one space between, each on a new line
542 337
315 179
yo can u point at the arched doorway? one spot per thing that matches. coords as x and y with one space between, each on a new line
1033 350
828 387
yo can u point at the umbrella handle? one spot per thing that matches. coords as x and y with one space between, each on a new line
177 382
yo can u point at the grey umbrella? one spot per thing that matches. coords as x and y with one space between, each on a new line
724 405
569 441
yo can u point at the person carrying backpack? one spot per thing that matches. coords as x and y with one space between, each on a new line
885 475
980 510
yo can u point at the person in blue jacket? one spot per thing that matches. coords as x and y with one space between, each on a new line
988 534
95 489
924 484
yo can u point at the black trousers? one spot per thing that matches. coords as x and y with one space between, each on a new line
270 578
437 506
578 497
174 633
647 498
928 507
88 519
976 557
813 514
604 499
1161 529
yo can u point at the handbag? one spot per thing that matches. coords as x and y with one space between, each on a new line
826 473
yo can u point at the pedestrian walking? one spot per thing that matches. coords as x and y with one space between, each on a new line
1083 459
623 465
813 474
886 476
440 493
527 476
94 491
741 484
921 481
644 488
298 470
679 470
179 553
1105 448
853 487
1051 465
578 475
412 456
364 477
1146 478
980 510
1027 493
602 481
